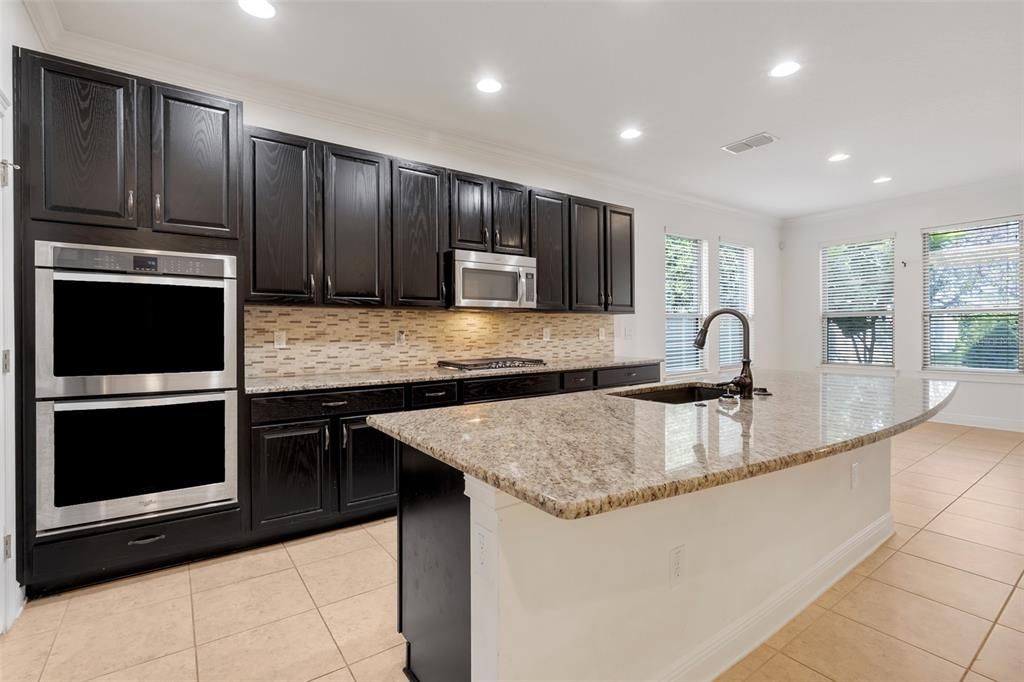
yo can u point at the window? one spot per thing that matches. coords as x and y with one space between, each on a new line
685 293
857 303
972 296
735 290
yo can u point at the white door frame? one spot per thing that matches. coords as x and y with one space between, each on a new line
12 596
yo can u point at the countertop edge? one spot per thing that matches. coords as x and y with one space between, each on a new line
601 505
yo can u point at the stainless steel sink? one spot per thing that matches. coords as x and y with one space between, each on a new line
677 394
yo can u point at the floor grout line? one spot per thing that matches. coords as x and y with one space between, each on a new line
192 610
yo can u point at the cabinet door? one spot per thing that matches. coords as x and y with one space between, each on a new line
81 163
619 261
291 473
281 210
470 211
587 244
549 227
356 226
195 163
369 467
419 228
510 226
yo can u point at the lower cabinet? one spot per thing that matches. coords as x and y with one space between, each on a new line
369 466
292 474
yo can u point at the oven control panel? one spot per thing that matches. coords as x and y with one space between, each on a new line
125 260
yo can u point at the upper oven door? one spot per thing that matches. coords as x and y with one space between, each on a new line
490 285
106 333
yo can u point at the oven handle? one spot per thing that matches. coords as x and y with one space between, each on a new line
77 405
121 278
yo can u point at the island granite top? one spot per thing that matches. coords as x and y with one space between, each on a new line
581 454
411 375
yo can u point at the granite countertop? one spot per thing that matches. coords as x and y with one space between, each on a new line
576 455
317 382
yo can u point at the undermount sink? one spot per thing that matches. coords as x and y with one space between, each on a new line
677 395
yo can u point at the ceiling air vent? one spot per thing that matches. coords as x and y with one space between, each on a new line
748 143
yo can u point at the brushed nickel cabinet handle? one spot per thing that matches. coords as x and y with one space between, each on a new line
435 394
131 203
157 208
148 540
336 403
327 437
312 283
330 287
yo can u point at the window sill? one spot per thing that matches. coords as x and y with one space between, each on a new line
874 370
967 375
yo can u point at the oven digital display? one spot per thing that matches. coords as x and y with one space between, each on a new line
147 263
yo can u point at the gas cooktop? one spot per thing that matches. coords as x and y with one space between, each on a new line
489 363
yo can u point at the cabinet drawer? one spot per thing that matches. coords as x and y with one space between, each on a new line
91 557
622 376
435 395
338 403
480 390
578 381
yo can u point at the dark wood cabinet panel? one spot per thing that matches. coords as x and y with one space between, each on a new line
510 226
505 388
470 211
419 228
623 376
195 163
281 210
549 228
620 294
370 465
82 134
587 255
291 473
357 401
356 226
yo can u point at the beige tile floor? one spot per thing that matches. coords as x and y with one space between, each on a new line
942 600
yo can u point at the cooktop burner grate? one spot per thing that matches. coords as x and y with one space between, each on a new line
490 363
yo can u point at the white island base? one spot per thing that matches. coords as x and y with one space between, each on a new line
677 589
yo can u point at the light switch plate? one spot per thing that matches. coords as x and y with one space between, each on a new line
280 339
547 333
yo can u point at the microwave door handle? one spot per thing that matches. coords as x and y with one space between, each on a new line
522 289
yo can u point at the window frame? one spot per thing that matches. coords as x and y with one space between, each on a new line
751 308
699 315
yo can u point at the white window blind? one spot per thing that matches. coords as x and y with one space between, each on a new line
972 296
735 290
685 296
857 301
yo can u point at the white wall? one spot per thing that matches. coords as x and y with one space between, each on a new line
981 400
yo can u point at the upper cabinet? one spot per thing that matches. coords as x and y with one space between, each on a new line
587 261
195 163
510 224
282 214
419 227
619 276
549 233
357 193
470 211
82 131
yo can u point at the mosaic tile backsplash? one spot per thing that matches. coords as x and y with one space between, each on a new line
325 341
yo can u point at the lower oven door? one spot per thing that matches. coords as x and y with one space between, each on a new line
99 461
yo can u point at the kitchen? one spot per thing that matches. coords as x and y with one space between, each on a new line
252 318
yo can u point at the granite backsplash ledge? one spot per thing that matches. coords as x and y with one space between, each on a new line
326 341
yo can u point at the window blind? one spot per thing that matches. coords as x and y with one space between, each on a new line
685 295
972 296
735 290
857 301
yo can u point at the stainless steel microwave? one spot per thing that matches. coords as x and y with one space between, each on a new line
490 280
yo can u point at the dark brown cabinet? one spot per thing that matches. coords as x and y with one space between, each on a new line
292 474
510 227
369 465
82 137
357 189
587 262
470 211
619 275
282 216
549 231
419 232
195 163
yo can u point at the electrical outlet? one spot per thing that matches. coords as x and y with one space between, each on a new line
280 339
602 333
547 333
400 338
675 566
627 332
854 475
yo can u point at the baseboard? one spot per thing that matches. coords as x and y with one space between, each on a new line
718 653
980 421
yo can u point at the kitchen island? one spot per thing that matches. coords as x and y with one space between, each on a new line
606 535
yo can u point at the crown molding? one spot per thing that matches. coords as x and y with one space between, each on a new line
56 39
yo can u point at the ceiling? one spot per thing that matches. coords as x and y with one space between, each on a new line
931 94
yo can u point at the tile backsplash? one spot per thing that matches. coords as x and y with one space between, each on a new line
326 341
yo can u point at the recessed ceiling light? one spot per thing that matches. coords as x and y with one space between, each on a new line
841 156
631 133
881 179
258 8
784 69
488 85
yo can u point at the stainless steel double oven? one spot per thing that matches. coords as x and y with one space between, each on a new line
136 383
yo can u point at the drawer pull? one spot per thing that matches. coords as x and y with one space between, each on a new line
435 394
579 379
147 540
336 403
630 374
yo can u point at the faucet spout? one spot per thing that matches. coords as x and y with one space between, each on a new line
745 381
